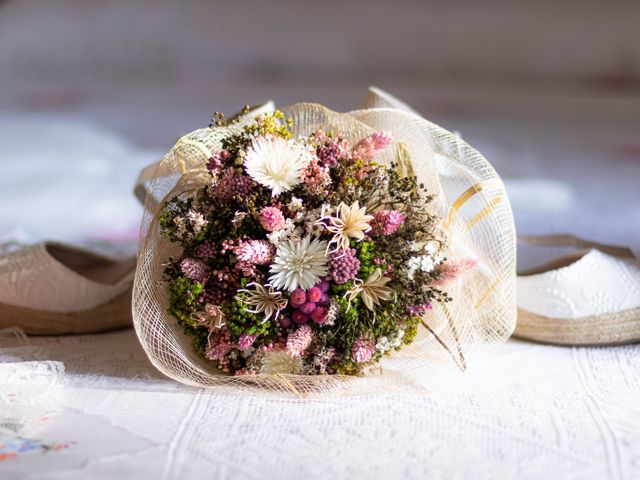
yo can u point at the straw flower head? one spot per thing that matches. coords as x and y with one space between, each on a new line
299 264
348 222
276 163
264 299
372 291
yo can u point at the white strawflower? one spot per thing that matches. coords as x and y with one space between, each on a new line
280 362
276 163
299 264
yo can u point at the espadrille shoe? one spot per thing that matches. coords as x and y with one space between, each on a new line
590 297
54 289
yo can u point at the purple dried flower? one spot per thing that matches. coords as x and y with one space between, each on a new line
343 266
233 185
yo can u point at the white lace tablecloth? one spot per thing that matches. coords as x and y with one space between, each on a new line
523 411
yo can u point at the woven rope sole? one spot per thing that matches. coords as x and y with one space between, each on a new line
113 315
607 329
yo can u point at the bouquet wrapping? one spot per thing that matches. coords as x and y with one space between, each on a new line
309 251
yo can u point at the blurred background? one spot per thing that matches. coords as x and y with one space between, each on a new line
548 91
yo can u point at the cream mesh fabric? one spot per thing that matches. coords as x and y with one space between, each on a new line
476 217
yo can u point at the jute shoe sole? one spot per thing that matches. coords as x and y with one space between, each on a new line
113 315
617 328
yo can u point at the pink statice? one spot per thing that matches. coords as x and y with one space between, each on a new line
245 341
218 347
387 221
417 310
343 266
363 349
194 269
298 341
256 252
368 147
271 219
217 161
451 271
233 185
316 177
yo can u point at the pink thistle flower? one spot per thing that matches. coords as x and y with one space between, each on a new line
271 219
343 266
256 252
363 349
298 341
233 185
368 147
451 271
194 269
387 221
245 341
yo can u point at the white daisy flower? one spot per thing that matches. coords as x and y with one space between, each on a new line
276 163
299 264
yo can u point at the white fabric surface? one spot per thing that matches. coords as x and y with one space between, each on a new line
522 411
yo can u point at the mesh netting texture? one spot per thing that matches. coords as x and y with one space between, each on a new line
477 218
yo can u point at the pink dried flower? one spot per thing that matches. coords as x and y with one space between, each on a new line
299 318
343 266
363 349
271 219
331 150
368 147
451 271
217 161
221 286
308 307
319 315
233 185
387 221
256 252
285 322
194 269
245 341
298 341
298 298
206 251
316 177
218 347
314 294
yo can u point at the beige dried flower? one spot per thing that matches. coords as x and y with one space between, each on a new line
349 222
372 291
